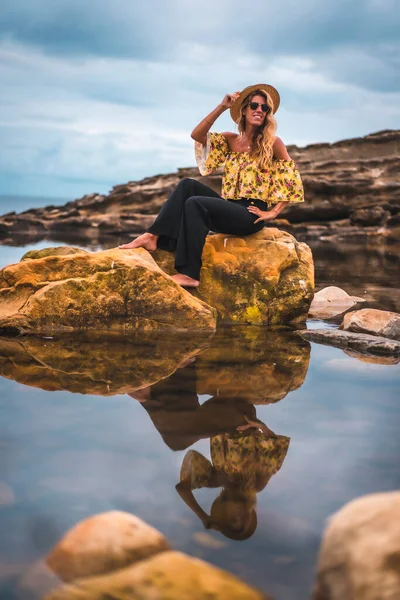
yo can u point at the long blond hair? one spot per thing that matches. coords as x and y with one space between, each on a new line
261 146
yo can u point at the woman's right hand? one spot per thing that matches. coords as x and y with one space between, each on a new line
229 99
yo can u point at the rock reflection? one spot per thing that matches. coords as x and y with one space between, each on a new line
242 367
101 366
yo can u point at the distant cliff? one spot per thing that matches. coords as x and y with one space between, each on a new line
352 192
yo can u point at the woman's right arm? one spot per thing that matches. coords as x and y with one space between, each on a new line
199 133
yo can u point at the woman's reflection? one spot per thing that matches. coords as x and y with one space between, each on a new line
241 464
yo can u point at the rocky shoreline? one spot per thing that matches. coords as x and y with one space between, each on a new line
351 187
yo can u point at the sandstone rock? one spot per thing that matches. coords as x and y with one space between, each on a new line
331 301
87 363
361 342
376 322
360 553
265 278
54 251
110 290
168 576
369 216
104 543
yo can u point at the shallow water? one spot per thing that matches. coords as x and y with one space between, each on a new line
92 424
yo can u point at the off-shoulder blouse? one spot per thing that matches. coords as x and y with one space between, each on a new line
242 177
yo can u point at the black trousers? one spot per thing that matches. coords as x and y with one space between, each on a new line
190 212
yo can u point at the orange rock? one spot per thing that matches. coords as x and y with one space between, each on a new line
104 543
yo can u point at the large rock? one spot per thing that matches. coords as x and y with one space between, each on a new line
104 543
360 553
87 363
265 278
167 576
110 290
377 322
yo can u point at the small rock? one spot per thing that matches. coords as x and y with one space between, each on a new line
368 216
168 576
361 342
360 553
104 543
331 301
376 322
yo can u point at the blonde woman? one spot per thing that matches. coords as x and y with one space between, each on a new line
259 180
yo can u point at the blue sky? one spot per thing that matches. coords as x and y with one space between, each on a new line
98 93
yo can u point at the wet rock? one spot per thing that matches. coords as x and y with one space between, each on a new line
360 553
104 543
265 278
110 290
369 216
167 576
376 322
331 301
87 363
361 342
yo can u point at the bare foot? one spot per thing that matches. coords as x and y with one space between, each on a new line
185 280
146 240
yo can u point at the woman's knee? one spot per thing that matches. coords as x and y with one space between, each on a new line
185 182
193 201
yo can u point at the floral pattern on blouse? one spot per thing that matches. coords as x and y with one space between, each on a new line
240 457
242 178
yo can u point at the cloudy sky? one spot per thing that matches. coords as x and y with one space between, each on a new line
100 92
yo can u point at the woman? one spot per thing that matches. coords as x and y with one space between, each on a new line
259 180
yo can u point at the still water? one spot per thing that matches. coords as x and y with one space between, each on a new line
92 424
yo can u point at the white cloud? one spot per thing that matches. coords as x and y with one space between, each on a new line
113 119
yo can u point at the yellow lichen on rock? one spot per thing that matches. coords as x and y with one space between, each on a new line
110 290
166 576
265 278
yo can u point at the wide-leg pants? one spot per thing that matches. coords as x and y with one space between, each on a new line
191 211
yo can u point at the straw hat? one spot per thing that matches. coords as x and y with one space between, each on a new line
271 91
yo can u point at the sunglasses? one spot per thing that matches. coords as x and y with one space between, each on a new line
264 107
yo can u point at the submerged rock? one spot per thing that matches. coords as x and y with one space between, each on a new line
104 543
110 290
361 342
360 554
167 576
265 278
377 322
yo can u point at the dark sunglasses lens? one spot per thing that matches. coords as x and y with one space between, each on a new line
254 106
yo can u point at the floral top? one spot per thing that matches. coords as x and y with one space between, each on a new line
242 458
242 178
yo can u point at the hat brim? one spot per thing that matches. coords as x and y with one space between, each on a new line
269 89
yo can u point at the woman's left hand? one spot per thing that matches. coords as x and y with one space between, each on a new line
264 215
